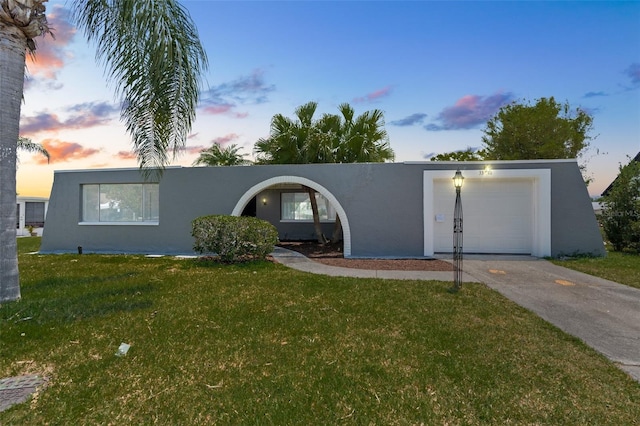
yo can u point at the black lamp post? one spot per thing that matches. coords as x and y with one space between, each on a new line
457 233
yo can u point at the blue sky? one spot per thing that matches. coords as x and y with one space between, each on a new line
438 71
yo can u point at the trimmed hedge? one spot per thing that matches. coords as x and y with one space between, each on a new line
233 238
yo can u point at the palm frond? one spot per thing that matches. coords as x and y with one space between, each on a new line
216 155
152 54
25 144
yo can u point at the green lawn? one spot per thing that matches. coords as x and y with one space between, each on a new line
262 344
623 268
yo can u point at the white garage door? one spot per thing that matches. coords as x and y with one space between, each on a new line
497 215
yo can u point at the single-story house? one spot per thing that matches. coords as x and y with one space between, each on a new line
387 210
30 212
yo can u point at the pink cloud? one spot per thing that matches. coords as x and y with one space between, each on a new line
222 140
193 149
217 109
126 155
61 151
83 116
470 111
381 93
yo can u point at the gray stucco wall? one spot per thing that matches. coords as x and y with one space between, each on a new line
574 227
383 204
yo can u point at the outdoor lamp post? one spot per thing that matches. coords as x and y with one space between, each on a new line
457 233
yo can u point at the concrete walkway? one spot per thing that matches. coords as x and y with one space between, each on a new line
603 314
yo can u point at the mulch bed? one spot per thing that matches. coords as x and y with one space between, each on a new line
331 254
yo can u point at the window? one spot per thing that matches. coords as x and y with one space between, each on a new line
34 214
120 203
296 206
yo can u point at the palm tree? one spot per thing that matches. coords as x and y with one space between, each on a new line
330 139
25 144
216 155
363 140
151 51
289 142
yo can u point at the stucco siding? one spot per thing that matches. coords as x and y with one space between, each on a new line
574 227
382 204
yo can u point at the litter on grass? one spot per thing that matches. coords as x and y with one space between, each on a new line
123 349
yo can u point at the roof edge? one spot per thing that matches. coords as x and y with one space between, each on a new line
541 160
115 169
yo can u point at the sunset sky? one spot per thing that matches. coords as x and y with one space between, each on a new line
438 71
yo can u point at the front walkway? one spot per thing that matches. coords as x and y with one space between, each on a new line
298 261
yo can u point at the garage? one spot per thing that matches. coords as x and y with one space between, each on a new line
504 213
497 215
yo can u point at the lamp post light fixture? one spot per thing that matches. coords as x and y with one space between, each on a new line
457 233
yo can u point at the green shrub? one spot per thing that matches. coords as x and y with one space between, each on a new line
621 212
233 238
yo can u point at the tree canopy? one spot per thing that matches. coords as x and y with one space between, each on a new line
217 155
544 130
522 131
468 154
621 212
333 138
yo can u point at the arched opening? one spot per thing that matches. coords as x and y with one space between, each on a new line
256 189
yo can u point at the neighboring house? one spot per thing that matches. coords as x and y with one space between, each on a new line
608 189
597 207
31 211
393 210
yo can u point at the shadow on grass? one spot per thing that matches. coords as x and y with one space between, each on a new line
214 262
56 303
66 282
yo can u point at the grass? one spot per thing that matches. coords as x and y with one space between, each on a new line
262 344
623 268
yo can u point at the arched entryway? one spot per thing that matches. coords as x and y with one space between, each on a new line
256 189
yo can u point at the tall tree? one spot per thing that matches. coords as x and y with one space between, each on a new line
151 51
545 130
519 131
333 138
216 155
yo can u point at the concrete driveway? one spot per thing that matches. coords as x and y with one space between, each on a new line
602 313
